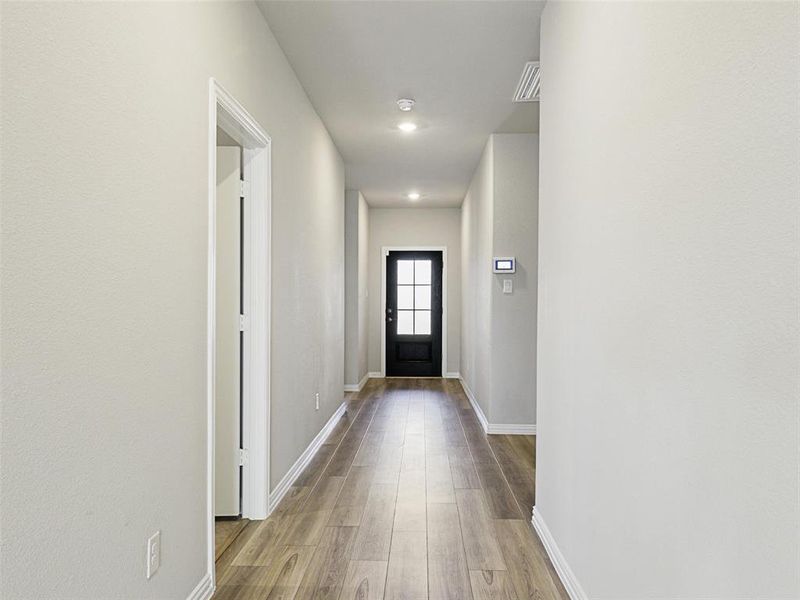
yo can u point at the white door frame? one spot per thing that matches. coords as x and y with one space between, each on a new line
384 253
227 114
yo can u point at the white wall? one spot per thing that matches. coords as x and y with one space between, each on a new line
415 227
356 270
477 235
104 253
500 214
363 287
667 455
515 224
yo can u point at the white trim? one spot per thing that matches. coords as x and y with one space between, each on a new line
494 428
452 375
356 387
511 429
384 252
567 576
203 590
226 113
375 375
475 406
288 480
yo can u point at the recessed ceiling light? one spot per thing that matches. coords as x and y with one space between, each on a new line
413 196
407 126
406 104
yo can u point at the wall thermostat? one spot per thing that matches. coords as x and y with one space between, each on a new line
504 264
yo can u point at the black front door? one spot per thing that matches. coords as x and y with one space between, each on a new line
414 314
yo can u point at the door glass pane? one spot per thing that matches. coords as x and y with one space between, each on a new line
422 296
405 296
405 322
422 322
422 271
405 271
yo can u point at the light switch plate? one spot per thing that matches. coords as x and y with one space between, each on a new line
508 286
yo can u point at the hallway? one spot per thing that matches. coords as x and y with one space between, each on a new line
407 499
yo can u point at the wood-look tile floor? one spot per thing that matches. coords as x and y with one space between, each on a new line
225 531
407 500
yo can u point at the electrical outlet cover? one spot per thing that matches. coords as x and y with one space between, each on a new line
153 554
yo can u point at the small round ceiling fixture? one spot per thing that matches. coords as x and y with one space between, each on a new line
407 126
413 195
406 104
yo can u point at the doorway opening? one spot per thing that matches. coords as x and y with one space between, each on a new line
414 285
229 343
238 329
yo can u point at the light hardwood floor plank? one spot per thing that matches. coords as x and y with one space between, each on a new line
517 467
462 468
407 577
286 571
365 580
262 545
225 532
387 468
353 497
526 561
477 529
410 513
413 452
244 577
325 574
375 532
439 480
448 576
501 501
367 454
492 585
307 525
240 592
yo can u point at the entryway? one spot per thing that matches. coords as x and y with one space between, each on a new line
413 312
238 320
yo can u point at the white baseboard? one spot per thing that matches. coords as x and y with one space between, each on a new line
452 375
288 480
566 575
475 406
511 429
494 428
375 375
356 387
203 590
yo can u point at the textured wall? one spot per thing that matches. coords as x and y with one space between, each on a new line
363 288
515 228
356 268
477 280
104 257
499 218
667 454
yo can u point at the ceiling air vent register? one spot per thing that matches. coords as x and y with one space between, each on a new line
529 84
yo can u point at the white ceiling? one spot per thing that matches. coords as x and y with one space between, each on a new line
460 61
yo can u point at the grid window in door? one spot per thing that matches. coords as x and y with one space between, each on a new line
414 297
